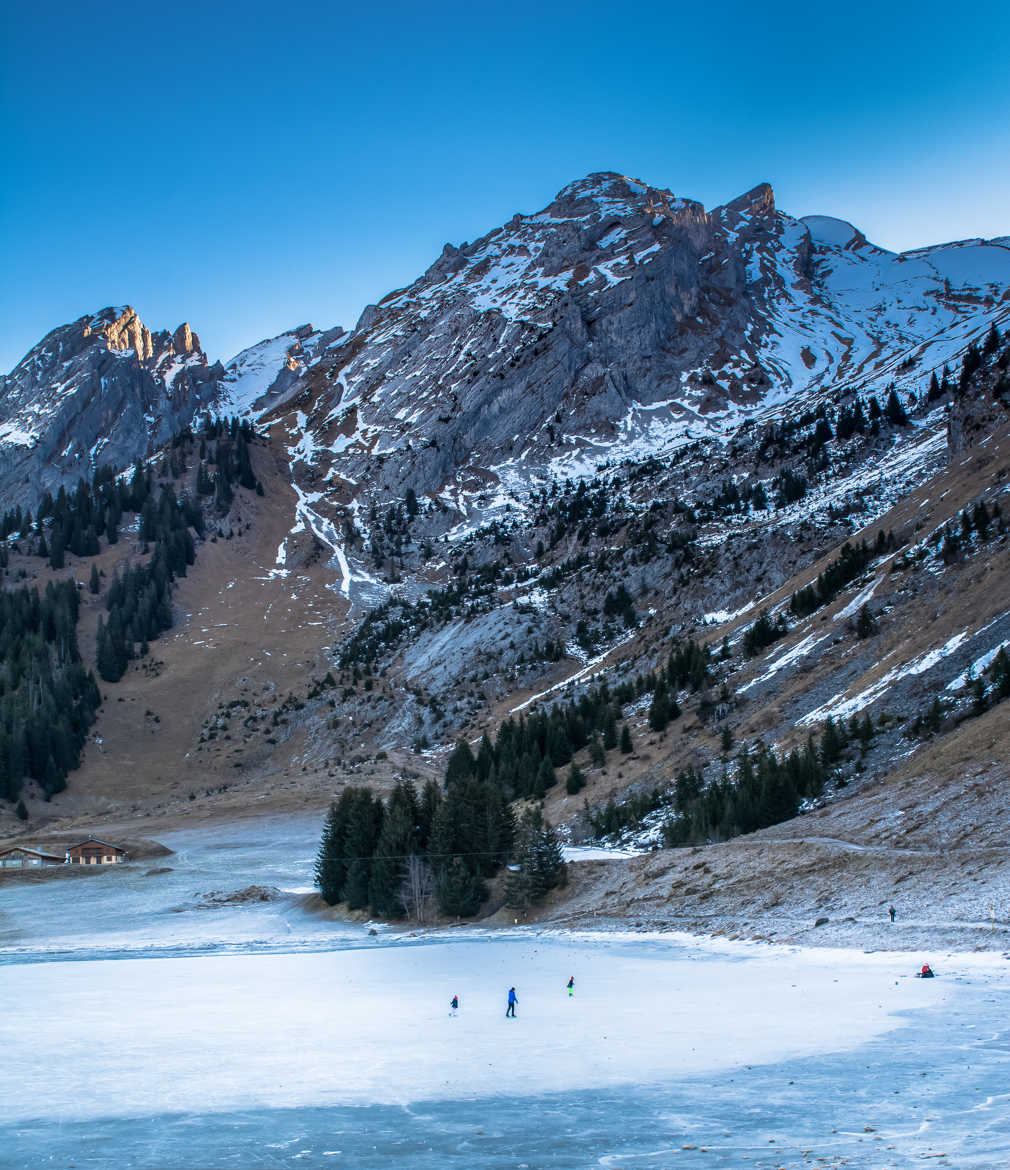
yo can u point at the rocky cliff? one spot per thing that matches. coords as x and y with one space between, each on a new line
103 389
566 450
623 323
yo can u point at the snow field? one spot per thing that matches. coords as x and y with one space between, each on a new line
372 1025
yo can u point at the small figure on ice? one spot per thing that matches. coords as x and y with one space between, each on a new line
571 987
454 1005
891 910
513 1000
926 972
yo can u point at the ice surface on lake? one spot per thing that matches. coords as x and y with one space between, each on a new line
234 1049
135 909
372 1026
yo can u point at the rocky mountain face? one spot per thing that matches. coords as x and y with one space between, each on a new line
102 390
621 321
622 324
617 423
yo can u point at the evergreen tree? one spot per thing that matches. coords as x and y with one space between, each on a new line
540 862
659 710
597 754
1000 674
895 412
56 549
396 842
364 824
610 730
331 861
832 743
545 778
866 624
461 763
626 746
933 393
460 892
431 798
576 781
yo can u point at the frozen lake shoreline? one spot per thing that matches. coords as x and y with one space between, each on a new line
758 1054
371 1025
264 1036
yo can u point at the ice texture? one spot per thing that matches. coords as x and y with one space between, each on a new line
341 1049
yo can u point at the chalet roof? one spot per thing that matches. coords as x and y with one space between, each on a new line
95 841
27 849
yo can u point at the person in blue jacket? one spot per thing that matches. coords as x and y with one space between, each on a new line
513 1000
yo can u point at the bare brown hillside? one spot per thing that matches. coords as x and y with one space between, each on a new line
229 715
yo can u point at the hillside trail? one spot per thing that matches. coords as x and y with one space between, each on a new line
885 850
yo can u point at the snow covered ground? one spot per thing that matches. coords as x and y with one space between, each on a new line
306 1043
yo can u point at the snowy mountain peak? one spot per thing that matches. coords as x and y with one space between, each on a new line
606 184
103 388
835 233
257 379
619 321
608 193
758 201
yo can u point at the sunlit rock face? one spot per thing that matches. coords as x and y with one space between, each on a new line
103 389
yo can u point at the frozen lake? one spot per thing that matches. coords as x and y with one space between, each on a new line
159 906
141 1030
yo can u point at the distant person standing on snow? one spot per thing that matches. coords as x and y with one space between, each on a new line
454 1004
513 1000
891 910
571 987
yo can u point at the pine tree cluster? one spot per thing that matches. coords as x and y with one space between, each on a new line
613 818
395 856
47 699
139 601
956 537
73 521
763 633
522 760
849 565
224 445
765 791
985 691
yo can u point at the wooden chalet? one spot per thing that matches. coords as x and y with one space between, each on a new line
21 857
95 852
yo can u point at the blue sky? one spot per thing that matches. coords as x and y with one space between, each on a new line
249 167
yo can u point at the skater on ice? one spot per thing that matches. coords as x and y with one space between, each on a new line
512 1000
571 987
891 910
454 1005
